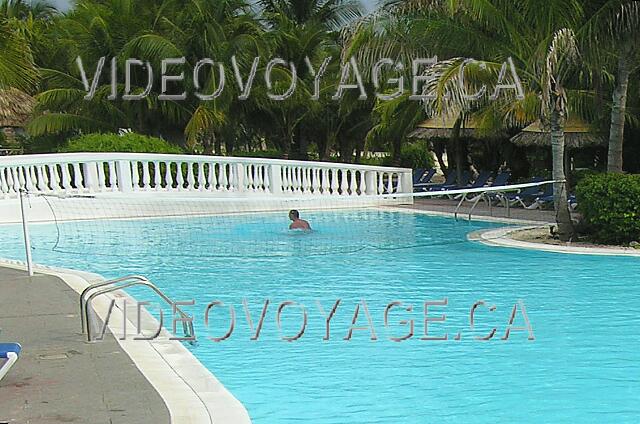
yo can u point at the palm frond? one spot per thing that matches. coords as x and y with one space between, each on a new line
55 123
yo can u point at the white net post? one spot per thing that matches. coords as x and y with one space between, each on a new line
25 231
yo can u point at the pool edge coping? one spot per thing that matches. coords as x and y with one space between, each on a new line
501 237
166 364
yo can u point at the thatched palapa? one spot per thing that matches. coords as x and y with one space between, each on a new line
442 126
15 108
577 134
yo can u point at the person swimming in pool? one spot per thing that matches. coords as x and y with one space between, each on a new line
298 224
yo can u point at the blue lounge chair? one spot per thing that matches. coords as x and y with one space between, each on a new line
502 179
422 180
450 183
528 195
480 181
9 353
547 199
418 173
451 179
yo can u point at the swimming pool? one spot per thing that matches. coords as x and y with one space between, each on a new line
584 311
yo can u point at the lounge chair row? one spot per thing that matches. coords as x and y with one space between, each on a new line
422 180
529 198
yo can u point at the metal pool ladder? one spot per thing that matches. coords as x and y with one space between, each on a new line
119 284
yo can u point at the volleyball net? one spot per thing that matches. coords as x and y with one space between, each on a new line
188 224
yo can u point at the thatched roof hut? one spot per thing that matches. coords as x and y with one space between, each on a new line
441 126
15 108
577 134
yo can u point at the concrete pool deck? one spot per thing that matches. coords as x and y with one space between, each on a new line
60 378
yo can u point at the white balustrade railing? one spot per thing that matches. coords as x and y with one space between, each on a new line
78 173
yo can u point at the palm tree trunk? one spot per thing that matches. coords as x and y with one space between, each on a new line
303 145
618 110
288 143
563 216
396 150
229 144
324 144
217 143
359 150
438 148
455 142
207 142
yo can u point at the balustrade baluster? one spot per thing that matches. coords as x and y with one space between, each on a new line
352 182
4 186
113 177
29 183
201 176
157 177
168 176
191 181
213 178
146 176
101 176
224 181
77 177
179 176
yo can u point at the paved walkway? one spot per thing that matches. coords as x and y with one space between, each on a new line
60 378
482 210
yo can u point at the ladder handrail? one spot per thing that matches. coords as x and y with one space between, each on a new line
142 281
102 284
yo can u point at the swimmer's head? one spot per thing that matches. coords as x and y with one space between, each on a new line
294 214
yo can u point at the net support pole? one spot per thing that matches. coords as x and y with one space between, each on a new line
25 231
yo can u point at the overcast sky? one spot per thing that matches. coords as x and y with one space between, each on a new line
60 4
64 4
369 3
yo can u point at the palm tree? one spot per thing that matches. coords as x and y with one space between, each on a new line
562 49
18 26
20 9
298 30
611 34
92 30
149 31
333 14
16 62
538 42
219 29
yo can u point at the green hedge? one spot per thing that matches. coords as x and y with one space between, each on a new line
127 143
262 154
414 155
610 206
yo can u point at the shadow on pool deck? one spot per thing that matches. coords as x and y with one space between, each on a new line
59 378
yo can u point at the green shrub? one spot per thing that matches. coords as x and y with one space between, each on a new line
610 206
127 143
375 161
577 175
416 155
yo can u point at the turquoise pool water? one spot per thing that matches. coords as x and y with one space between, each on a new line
584 311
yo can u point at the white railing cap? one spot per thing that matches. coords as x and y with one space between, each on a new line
56 158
